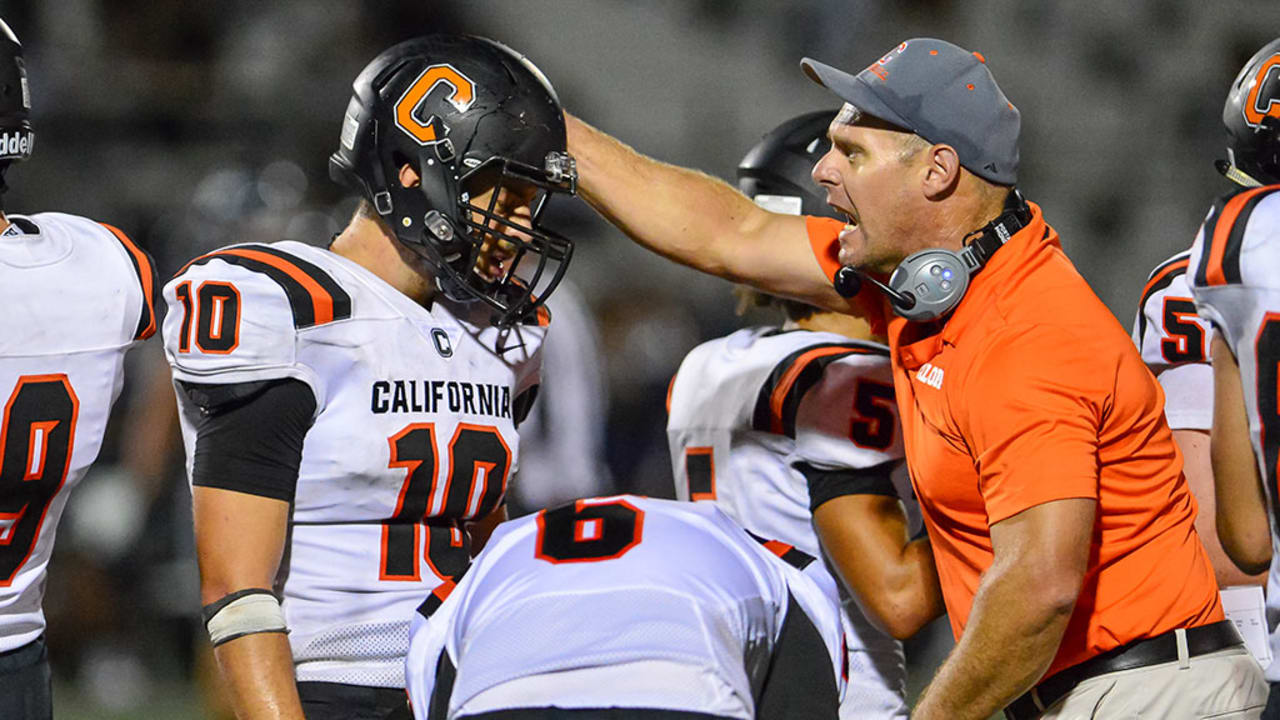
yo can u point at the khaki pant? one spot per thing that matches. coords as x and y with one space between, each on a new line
1223 685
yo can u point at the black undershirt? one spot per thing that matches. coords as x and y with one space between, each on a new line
827 485
249 435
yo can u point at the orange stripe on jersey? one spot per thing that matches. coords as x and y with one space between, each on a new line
146 275
1172 269
321 300
781 390
1214 274
778 548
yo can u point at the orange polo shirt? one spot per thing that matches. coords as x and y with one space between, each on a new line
1029 392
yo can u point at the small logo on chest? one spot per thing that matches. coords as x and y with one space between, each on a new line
441 340
930 375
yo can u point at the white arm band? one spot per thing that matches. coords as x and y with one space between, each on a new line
243 613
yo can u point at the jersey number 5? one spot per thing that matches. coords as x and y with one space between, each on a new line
1184 338
873 420
35 444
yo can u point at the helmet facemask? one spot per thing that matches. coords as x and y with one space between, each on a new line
485 252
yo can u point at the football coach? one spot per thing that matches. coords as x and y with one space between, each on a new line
1053 493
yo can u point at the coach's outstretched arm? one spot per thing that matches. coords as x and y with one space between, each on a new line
697 220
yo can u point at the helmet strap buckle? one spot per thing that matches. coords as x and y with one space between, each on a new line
444 150
382 202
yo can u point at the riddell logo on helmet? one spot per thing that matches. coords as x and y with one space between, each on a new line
16 143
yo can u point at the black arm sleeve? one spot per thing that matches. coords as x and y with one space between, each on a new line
801 682
249 435
827 485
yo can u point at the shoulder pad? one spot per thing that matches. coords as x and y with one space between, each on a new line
779 398
237 311
1223 233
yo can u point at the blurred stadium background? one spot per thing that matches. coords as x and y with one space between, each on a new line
193 125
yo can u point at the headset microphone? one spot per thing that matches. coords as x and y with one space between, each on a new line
929 283
848 282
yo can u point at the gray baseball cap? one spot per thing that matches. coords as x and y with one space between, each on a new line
941 92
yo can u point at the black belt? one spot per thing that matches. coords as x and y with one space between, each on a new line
1139 653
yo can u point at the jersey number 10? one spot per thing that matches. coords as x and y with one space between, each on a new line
474 481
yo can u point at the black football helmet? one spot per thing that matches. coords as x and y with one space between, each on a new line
776 172
467 114
16 139
1252 118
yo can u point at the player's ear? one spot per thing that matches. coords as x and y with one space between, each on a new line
408 176
941 171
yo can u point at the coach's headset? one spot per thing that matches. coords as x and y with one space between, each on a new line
930 283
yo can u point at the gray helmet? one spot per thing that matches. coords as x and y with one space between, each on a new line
467 114
1252 116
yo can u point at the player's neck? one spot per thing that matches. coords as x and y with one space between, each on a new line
850 326
4 222
368 243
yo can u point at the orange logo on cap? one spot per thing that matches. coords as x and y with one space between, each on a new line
877 68
462 95
1268 72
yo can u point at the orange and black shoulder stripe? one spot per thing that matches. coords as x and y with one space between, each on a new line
1224 235
436 598
791 555
314 296
780 395
1159 279
145 268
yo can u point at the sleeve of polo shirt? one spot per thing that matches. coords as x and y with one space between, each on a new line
1034 402
824 237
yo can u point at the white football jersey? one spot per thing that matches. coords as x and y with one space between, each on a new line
1234 271
414 432
675 592
746 409
79 294
1174 342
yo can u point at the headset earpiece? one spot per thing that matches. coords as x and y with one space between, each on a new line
935 278
930 283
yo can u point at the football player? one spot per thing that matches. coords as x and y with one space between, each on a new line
78 294
629 608
1233 275
347 412
1174 342
793 432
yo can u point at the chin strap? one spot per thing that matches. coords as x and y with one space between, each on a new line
1236 175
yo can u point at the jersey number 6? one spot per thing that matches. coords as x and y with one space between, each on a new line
589 531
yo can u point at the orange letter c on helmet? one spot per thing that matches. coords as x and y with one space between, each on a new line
462 95
1252 113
